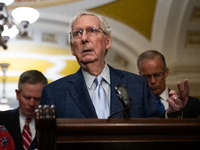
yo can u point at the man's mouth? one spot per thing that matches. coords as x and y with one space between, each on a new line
154 88
30 110
87 50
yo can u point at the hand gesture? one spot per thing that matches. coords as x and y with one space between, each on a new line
178 101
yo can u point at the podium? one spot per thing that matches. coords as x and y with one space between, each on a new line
115 134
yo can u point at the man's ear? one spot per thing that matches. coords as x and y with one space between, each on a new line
72 49
109 42
166 73
17 94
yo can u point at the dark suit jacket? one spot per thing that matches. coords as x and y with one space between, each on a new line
10 119
71 98
192 109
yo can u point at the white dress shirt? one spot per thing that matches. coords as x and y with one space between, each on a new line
164 96
89 79
22 120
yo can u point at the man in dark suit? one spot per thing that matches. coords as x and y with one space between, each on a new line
28 94
151 65
73 96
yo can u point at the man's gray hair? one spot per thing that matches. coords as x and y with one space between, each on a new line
103 23
149 55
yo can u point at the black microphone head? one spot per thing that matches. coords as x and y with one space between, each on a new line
123 95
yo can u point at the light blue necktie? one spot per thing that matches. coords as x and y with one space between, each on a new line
160 105
100 100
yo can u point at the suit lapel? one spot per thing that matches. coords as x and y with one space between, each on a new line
81 96
116 104
15 129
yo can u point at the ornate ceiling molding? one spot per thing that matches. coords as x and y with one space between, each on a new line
39 3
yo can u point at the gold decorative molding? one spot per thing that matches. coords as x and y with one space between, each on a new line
193 38
195 14
120 60
138 14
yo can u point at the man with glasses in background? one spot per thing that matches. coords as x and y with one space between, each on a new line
151 65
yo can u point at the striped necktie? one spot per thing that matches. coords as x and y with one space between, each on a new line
100 99
26 134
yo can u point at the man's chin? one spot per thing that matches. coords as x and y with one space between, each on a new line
155 92
87 61
30 115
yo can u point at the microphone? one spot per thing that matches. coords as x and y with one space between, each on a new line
125 99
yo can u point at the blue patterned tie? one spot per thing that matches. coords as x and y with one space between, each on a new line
100 100
160 105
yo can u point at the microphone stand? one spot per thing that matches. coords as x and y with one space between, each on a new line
126 110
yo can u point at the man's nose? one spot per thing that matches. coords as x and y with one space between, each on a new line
32 102
84 36
152 80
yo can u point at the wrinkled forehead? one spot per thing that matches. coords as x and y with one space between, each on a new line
150 66
86 21
156 62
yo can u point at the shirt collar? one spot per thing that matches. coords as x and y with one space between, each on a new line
23 118
164 95
89 79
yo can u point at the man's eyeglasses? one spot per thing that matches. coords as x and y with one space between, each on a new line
156 76
91 31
